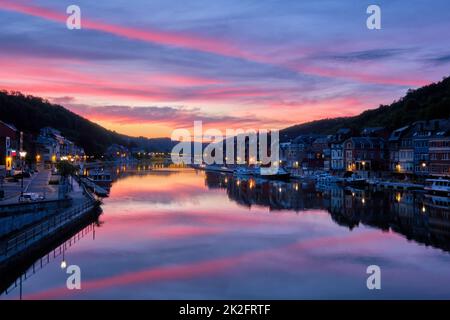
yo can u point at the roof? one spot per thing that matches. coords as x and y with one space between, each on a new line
10 126
344 131
51 130
307 138
322 140
397 134
441 134
372 129
367 142
426 129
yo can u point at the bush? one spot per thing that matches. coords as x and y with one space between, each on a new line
65 168
54 180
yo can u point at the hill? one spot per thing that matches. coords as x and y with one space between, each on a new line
425 103
30 114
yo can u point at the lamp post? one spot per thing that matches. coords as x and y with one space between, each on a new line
22 154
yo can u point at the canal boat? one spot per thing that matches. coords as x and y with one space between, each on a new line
101 178
215 168
96 189
328 179
280 174
355 180
438 186
244 171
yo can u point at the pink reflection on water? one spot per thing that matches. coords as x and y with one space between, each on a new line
158 185
176 232
217 266
167 206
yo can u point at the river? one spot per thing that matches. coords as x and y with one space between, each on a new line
186 234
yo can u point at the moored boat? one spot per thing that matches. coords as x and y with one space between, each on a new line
438 186
244 171
216 168
100 177
279 174
265 173
328 179
355 181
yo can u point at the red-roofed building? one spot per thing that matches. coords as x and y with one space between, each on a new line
10 143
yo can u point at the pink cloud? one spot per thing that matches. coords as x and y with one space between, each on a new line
215 46
147 35
349 73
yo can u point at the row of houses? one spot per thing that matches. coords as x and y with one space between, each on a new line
422 148
52 146
11 143
18 149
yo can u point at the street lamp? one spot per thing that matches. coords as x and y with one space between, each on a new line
63 262
22 154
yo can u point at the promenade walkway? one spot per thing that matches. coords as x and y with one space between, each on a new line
37 183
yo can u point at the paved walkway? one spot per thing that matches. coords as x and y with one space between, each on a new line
37 183
77 192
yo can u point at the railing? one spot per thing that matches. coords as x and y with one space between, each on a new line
45 260
15 208
87 192
45 228
84 185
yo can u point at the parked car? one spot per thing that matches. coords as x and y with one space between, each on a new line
30 197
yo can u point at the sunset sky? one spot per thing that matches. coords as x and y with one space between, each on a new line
147 67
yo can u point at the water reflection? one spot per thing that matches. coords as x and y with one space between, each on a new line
417 216
174 233
20 268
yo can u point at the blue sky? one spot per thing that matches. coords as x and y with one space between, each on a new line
147 67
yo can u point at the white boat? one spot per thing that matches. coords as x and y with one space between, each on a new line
438 186
98 190
100 177
355 180
327 179
280 173
217 168
244 171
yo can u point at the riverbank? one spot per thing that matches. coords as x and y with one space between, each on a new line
37 183
15 216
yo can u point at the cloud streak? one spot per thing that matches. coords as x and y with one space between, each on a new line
147 35
214 46
225 63
180 117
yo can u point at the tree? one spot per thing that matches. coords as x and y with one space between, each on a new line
65 168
